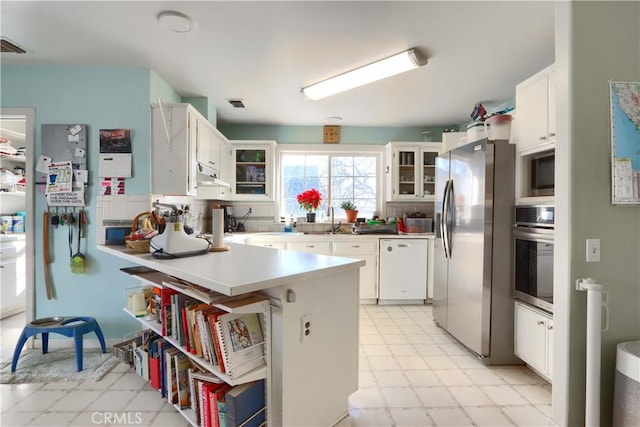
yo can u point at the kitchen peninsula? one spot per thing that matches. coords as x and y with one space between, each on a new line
313 321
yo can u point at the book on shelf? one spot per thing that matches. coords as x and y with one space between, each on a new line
182 364
165 310
210 325
241 341
245 405
194 330
217 405
171 382
206 337
155 359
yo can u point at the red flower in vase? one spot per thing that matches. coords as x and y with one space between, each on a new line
309 200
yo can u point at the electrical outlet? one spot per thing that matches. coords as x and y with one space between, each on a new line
305 327
593 250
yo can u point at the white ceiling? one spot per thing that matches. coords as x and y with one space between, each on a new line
264 52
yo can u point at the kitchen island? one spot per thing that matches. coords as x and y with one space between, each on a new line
313 336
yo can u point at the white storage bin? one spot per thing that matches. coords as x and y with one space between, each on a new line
476 131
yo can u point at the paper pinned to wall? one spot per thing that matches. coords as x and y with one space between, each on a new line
69 198
60 177
114 165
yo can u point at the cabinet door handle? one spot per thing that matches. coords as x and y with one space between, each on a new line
550 327
552 134
355 246
543 138
310 246
540 322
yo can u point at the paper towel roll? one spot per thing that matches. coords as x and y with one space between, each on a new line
217 227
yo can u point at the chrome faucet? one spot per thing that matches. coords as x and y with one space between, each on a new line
333 225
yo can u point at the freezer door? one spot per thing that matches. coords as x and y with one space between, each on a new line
440 261
469 281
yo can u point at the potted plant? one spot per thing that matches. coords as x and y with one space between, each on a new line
350 209
309 201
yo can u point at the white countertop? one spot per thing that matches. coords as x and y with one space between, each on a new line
296 236
242 269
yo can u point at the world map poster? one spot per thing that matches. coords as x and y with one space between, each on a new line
625 142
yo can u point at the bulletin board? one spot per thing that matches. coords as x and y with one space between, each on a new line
625 142
62 145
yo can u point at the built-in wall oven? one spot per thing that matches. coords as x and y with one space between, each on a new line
533 255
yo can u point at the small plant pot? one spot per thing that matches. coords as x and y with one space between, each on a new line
351 215
311 217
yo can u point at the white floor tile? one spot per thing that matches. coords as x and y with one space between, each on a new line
383 363
401 397
391 379
490 416
411 362
440 362
466 361
449 417
41 400
18 418
146 400
470 396
367 398
367 379
484 377
504 395
113 400
395 339
48 419
430 350
423 378
418 417
453 377
370 417
536 394
526 415
403 350
436 396
76 401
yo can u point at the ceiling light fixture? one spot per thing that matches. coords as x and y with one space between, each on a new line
396 64
176 21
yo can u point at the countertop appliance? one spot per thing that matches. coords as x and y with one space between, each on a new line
472 261
533 255
403 271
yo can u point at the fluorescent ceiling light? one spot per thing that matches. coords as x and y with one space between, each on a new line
396 64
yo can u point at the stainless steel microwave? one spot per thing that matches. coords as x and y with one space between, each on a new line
542 174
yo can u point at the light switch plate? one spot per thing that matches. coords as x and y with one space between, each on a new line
593 250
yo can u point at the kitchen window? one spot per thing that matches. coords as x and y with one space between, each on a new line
338 175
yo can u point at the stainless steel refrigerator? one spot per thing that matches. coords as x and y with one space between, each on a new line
473 247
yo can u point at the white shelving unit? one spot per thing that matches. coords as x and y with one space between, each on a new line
258 304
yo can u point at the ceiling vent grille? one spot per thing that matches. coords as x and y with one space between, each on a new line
236 103
9 47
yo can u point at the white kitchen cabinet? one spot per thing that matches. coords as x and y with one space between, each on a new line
536 105
366 250
12 275
253 170
220 157
186 153
410 170
534 338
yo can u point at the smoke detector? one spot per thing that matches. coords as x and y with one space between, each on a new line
176 21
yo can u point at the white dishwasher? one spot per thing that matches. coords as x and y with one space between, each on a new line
403 270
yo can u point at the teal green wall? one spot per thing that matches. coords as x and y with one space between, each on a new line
313 134
160 89
612 52
99 98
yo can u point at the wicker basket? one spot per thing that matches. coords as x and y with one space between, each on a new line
140 246
124 350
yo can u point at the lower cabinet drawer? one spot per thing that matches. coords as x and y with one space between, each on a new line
355 247
311 247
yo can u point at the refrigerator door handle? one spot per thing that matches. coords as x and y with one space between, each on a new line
443 221
451 217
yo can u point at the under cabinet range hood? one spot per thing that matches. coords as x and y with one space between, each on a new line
208 177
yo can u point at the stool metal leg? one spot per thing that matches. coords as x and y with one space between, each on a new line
16 353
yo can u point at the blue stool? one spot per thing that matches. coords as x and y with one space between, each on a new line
74 327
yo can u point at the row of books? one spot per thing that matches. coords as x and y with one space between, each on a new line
233 342
189 386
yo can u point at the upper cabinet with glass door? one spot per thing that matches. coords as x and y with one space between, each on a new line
410 170
253 170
